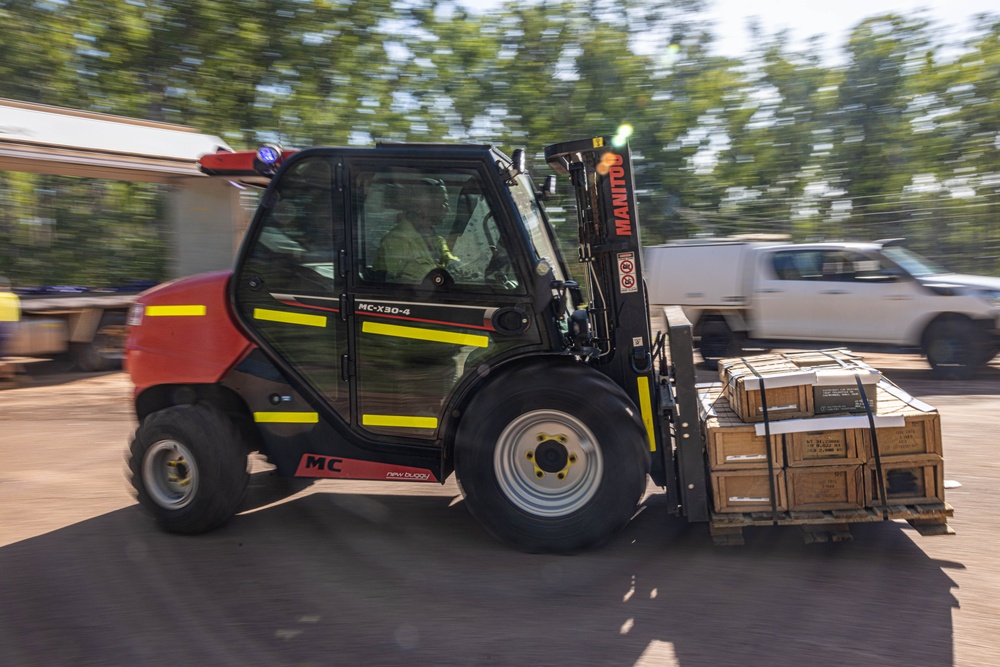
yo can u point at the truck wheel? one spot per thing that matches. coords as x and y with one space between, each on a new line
718 341
552 460
955 349
106 350
189 468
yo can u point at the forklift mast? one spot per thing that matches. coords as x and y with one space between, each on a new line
611 252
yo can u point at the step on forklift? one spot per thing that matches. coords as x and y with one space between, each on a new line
403 313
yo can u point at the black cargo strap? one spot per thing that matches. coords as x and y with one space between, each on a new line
767 443
840 362
878 456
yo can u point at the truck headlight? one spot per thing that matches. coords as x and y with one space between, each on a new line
135 313
991 296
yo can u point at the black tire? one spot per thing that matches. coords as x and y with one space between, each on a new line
552 459
106 350
189 468
718 341
955 348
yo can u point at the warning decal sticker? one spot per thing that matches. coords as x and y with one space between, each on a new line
627 281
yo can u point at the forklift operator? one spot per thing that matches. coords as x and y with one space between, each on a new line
412 248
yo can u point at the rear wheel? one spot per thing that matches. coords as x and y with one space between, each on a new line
955 348
106 350
553 459
189 468
718 341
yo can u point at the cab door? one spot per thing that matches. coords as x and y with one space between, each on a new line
437 292
784 294
864 300
289 281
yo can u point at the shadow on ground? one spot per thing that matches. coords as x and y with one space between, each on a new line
331 578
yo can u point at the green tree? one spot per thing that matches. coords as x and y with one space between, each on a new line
874 153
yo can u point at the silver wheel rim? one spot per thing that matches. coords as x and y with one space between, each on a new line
548 463
170 474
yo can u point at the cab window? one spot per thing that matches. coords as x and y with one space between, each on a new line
416 224
289 285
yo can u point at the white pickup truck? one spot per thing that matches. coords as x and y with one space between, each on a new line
867 296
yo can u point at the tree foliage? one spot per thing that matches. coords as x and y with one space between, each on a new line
901 139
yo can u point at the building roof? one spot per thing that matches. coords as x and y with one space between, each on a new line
52 140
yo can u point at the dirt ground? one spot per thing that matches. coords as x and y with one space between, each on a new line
358 573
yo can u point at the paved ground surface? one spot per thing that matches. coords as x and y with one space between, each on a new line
351 573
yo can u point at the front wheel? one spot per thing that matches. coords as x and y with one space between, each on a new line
553 459
189 468
956 349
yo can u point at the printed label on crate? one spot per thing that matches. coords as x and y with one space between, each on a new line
906 440
744 499
746 457
824 444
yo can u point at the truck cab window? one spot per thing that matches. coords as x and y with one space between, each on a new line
798 265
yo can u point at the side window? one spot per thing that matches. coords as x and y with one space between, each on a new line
828 265
851 266
416 224
289 285
798 265
868 269
837 266
295 247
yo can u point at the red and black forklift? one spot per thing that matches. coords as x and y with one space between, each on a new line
551 401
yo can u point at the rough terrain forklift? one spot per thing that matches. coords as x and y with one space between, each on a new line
550 402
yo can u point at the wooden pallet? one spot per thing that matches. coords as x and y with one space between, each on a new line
833 525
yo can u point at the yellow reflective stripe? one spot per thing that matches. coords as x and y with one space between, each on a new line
176 311
646 409
286 417
289 318
399 421
432 335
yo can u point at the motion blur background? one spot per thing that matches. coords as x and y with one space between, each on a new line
887 125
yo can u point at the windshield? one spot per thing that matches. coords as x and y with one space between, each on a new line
914 264
534 221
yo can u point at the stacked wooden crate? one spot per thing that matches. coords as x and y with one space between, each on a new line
821 455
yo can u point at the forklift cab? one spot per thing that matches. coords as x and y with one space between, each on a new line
382 279
403 313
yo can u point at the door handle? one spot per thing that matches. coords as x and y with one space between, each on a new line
345 306
833 291
768 290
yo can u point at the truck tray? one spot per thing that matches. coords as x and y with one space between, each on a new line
832 525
